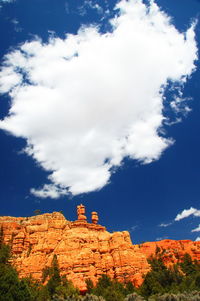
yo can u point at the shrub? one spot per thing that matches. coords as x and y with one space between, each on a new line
93 298
75 298
192 296
134 297
169 297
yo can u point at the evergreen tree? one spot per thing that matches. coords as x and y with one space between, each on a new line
160 279
5 254
188 266
67 289
55 279
90 285
110 290
129 288
11 288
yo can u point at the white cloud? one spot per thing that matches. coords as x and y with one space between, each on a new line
189 212
186 213
50 190
9 79
86 102
164 225
180 105
91 4
196 229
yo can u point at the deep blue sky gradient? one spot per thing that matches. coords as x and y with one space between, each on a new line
139 197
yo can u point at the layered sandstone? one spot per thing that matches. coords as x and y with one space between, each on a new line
84 250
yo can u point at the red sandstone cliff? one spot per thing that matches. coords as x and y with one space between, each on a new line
84 250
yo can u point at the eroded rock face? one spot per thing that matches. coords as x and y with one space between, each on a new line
84 250
172 250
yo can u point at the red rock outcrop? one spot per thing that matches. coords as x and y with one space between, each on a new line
172 250
84 250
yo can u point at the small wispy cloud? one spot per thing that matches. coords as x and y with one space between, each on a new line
67 8
197 239
196 229
180 105
15 21
162 238
169 122
133 228
98 8
88 4
6 1
186 213
164 225
17 27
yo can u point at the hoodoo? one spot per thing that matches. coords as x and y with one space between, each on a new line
84 250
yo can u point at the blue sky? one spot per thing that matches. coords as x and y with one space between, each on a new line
101 112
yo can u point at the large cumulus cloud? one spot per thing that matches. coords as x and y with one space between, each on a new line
85 102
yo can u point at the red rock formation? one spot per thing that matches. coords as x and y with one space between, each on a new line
84 250
95 217
172 250
81 213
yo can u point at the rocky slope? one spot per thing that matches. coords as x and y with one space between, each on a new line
84 250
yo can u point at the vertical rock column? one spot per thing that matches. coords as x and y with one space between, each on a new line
95 217
81 213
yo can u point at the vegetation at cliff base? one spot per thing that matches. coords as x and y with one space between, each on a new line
178 278
14 289
179 282
111 290
11 288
